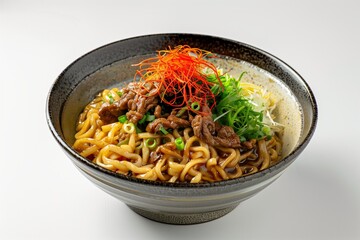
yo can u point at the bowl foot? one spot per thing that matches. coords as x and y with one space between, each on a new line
183 218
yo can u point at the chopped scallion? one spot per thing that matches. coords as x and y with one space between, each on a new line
163 130
142 120
138 130
111 99
150 118
150 143
122 119
235 110
181 112
147 118
195 106
129 128
179 143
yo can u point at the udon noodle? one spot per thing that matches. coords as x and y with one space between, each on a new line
120 146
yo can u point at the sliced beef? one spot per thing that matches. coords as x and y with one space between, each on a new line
226 136
134 102
109 113
171 122
139 106
213 133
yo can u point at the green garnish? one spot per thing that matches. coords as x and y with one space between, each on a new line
181 111
129 128
195 106
122 119
163 130
142 120
111 99
125 141
147 118
179 143
138 130
234 110
150 118
119 93
150 143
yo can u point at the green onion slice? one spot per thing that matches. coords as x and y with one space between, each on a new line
179 143
181 112
195 106
147 118
129 128
150 118
111 99
151 143
122 119
142 120
163 130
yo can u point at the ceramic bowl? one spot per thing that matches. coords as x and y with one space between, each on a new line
174 203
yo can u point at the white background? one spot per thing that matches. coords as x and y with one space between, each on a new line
43 196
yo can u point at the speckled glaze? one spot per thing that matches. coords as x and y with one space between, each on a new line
173 203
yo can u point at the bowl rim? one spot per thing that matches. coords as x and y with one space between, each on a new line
248 178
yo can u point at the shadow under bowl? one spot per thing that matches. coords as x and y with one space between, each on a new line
174 203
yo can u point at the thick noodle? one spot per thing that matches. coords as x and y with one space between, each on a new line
118 147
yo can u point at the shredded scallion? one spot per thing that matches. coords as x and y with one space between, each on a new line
235 110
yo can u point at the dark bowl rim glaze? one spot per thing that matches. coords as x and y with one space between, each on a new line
287 160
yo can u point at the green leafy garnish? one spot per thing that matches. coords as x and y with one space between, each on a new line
234 110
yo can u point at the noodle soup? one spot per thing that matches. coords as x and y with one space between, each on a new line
195 199
151 151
